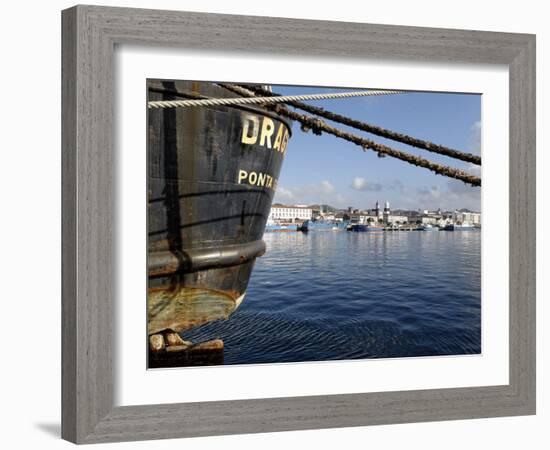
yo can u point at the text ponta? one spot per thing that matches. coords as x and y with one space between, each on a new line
257 179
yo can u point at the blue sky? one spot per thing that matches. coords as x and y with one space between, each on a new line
326 169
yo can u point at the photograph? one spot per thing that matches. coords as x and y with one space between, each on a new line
294 224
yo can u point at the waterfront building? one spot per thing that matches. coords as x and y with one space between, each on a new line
386 208
430 220
467 217
362 218
322 212
286 213
396 218
386 215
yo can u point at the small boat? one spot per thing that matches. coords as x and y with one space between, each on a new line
358 227
459 227
278 227
322 225
428 227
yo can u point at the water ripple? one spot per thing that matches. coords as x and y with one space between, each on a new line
340 295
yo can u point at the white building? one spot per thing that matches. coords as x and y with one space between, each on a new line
362 219
471 218
430 220
387 216
287 213
394 218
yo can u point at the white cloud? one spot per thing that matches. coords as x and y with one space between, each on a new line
429 193
464 194
474 140
284 195
325 187
459 193
360 184
455 194
396 185
322 192
448 196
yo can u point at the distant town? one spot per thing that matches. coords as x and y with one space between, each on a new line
381 217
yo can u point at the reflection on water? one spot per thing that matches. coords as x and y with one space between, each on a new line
340 295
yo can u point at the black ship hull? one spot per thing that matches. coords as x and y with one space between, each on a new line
212 173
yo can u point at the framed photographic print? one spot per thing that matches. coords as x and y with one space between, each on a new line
318 293
263 230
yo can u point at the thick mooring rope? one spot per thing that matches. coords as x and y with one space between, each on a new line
317 126
374 129
264 100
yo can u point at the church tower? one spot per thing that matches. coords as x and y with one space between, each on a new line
386 212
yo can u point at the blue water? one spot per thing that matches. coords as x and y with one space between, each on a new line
342 295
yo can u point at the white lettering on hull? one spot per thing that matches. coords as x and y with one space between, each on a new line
260 130
259 179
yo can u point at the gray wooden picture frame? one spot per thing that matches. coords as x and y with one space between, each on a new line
90 34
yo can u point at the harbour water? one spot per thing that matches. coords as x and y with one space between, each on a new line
341 295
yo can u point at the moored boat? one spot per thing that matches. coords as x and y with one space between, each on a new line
358 227
280 227
212 173
428 227
459 227
323 225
